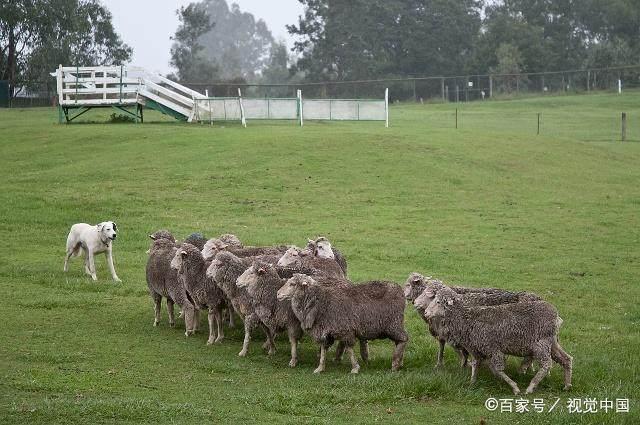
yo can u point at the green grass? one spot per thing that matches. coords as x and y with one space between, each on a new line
488 204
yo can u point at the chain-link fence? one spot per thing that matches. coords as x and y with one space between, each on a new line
33 93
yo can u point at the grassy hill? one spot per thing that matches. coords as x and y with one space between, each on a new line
488 204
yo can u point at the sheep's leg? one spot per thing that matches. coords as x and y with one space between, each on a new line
196 319
474 369
157 306
526 363
212 319
364 350
189 319
464 357
496 364
323 356
398 355
545 366
440 354
339 351
232 323
249 323
271 344
172 320
294 350
565 360
355 367
219 324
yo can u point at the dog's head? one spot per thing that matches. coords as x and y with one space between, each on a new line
108 230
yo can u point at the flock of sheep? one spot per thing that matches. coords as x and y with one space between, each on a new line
285 288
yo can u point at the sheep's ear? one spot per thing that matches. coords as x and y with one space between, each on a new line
183 253
152 237
450 301
429 293
304 283
261 271
223 246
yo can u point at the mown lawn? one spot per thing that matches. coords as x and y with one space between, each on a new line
488 204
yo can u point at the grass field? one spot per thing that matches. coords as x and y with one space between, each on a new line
489 204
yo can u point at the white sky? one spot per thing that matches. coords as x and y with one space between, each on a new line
147 25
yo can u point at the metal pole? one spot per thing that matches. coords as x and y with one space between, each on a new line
442 88
490 86
624 126
456 118
538 133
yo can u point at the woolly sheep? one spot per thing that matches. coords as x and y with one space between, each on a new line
419 287
162 281
296 260
191 270
523 329
262 283
321 247
225 269
348 312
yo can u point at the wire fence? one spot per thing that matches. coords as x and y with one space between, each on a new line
462 88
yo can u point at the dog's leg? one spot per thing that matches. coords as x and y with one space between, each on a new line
66 259
92 264
110 263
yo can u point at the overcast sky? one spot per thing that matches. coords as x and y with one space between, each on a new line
147 25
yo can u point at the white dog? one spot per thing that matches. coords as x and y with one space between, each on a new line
92 240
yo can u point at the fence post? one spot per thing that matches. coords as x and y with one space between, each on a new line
588 80
386 107
442 88
456 118
624 126
457 93
490 86
415 98
538 133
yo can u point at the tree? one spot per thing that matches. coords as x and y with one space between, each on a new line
376 38
238 43
187 54
37 35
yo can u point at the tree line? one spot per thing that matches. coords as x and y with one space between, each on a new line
335 40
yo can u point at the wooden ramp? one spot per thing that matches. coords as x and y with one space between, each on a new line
82 88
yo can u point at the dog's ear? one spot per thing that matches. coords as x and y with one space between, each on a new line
100 226
115 226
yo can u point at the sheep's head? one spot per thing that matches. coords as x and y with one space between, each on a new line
185 254
220 263
158 236
414 286
299 282
251 276
293 257
230 240
212 247
443 300
162 234
323 248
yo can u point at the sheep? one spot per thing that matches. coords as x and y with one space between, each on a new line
345 313
524 329
321 247
225 270
227 243
416 287
191 270
162 281
262 283
296 260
